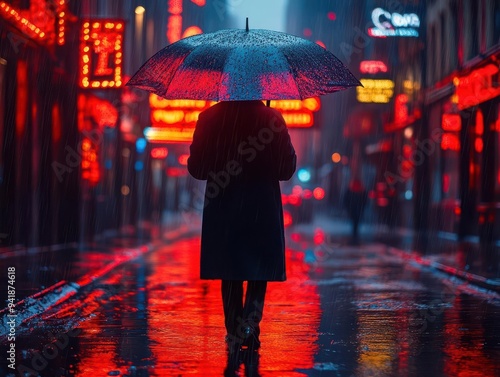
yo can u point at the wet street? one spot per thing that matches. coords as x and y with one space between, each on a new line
344 311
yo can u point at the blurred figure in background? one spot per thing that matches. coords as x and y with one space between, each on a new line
355 199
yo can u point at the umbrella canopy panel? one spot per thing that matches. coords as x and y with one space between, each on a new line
236 64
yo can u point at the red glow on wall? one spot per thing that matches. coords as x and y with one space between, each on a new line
332 16
174 23
159 153
21 97
101 56
175 6
446 183
401 108
478 145
451 122
479 122
307 32
174 28
450 142
56 123
372 67
90 162
96 110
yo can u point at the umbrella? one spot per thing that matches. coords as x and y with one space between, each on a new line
236 64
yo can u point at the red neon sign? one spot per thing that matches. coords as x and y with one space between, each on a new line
450 141
477 87
101 54
401 108
298 113
372 67
42 29
451 122
90 163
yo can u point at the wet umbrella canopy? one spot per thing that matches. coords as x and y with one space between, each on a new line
240 64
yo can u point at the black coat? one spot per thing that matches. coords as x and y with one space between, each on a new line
242 149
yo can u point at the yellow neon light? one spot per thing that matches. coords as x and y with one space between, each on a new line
375 91
170 135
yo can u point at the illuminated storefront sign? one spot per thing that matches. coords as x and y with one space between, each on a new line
174 23
375 91
298 113
372 67
477 87
393 24
173 121
101 57
43 21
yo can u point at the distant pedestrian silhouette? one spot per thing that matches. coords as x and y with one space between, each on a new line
243 150
355 199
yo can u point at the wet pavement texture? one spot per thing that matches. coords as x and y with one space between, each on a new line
344 311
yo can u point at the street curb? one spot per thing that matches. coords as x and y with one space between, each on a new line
478 280
38 303
56 294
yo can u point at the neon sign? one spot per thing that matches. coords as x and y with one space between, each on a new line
101 54
477 87
297 113
375 91
393 24
451 122
173 121
372 67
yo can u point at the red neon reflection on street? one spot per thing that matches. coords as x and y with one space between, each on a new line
186 331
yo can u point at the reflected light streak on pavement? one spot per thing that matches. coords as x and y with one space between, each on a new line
185 324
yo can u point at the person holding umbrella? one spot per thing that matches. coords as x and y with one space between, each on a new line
242 148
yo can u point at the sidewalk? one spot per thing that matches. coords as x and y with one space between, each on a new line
48 276
467 260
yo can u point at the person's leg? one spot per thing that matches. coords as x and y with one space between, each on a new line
253 309
232 301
